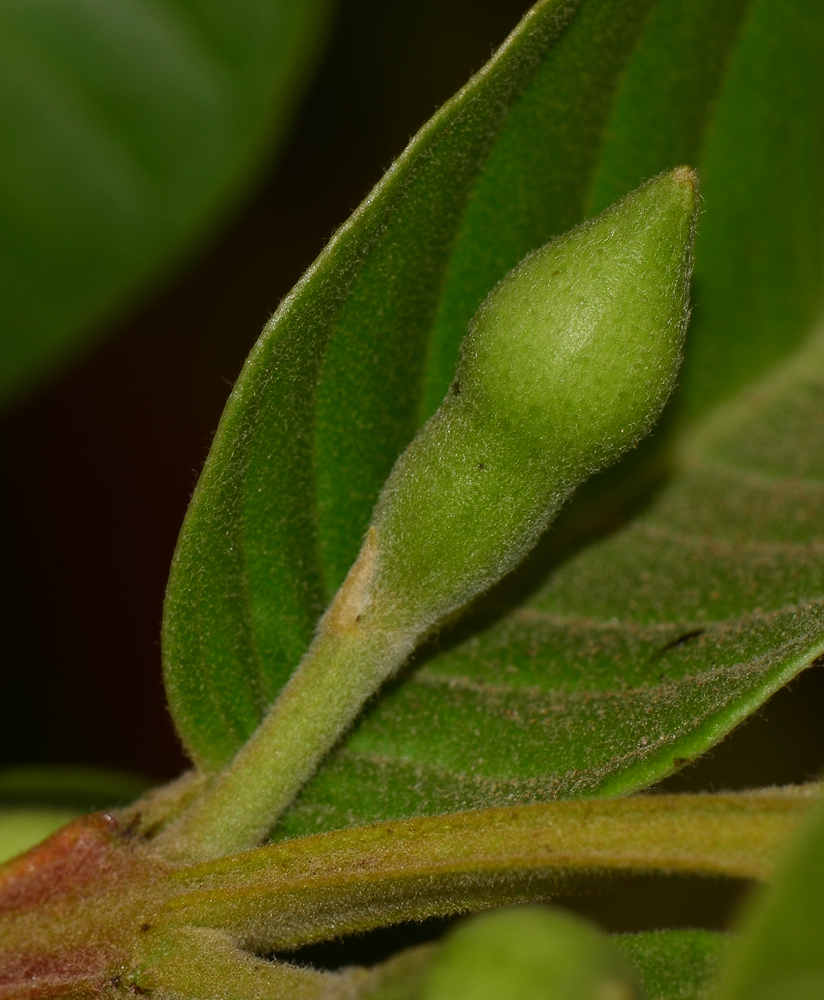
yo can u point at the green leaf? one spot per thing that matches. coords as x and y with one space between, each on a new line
780 955
81 789
35 801
128 128
635 652
564 117
21 829
675 965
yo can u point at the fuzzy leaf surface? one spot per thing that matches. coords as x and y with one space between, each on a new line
583 102
632 653
127 127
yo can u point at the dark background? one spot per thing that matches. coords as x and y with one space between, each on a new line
99 465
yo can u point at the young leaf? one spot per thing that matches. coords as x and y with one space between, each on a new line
364 348
127 127
261 553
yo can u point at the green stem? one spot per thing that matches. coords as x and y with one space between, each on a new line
354 652
285 895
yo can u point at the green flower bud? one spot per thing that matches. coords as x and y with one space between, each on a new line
567 363
528 953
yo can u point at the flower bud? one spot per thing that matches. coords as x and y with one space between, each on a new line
567 363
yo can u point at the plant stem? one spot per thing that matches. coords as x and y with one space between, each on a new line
354 652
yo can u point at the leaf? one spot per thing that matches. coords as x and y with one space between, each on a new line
81 789
21 829
128 127
675 965
288 894
35 801
634 654
780 955
361 351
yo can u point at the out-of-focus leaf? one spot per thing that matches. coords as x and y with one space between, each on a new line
528 953
781 955
21 829
83 789
126 128
676 965
671 965
582 102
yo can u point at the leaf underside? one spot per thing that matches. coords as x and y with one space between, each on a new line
635 653
127 126
679 590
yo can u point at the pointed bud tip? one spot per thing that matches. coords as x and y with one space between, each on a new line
685 175
685 180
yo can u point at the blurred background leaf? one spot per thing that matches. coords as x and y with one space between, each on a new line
779 955
36 801
83 789
98 464
21 828
128 128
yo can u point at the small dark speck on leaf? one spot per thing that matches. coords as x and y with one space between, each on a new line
481 465
140 991
145 927
681 762
680 641
455 388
